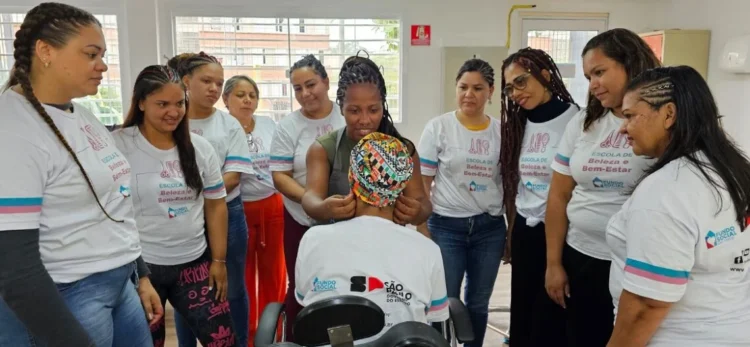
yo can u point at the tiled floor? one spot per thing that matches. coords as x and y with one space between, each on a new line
500 298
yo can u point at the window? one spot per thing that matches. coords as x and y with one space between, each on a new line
107 104
265 48
563 40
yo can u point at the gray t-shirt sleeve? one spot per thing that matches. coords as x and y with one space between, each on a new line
42 310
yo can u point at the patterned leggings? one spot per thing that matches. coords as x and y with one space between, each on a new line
186 288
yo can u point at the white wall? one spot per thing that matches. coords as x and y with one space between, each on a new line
146 31
725 19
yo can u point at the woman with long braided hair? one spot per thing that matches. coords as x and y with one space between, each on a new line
593 168
460 152
362 98
68 240
179 185
680 245
203 77
536 108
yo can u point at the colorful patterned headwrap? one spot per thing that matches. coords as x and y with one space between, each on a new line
380 167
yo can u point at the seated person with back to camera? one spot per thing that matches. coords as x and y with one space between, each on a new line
370 255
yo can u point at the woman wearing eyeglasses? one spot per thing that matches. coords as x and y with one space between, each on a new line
265 272
536 108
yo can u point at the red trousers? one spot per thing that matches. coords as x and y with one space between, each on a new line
265 269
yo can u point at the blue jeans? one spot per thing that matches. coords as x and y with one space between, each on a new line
471 247
106 304
237 292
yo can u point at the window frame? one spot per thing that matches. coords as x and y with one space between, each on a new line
171 11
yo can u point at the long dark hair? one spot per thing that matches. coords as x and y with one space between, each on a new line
696 129
513 116
55 24
357 70
626 48
150 80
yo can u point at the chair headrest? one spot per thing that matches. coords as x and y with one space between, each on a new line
365 318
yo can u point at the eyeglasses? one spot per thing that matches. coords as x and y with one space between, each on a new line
519 83
251 143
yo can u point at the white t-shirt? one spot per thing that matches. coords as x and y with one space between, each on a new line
465 164
41 187
540 145
225 134
604 168
168 213
393 266
294 135
259 185
669 244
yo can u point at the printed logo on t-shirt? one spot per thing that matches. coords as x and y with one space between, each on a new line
743 258
474 187
480 147
323 285
363 284
541 187
324 129
197 131
714 239
538 143
397 293
125 190
95 140
615 139
177 211
607 184
171 168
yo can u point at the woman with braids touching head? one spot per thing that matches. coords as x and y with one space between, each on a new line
362 98
536 108
265 272
593 168
204 78
68 239
460 152
295 133
178 184
680 245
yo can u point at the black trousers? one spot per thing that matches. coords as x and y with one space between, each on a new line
590 309
535 320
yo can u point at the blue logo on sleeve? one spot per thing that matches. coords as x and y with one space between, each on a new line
323 285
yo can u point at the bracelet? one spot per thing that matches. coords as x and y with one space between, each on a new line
219 261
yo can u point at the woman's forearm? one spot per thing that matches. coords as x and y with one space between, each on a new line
29 291
638 318
217 217
314 206
556 228
288 186
231 180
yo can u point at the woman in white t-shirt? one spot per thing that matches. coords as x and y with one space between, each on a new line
203 76
680 245
177 186
68 240
294 135
460 152
593 168
536 108
265 272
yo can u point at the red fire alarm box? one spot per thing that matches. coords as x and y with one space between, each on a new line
420 35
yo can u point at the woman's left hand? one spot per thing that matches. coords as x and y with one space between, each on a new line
150 301
407 209
217 278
